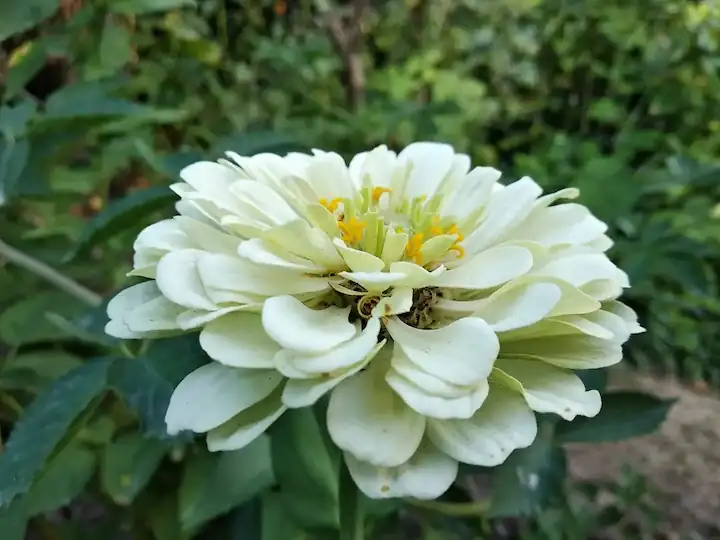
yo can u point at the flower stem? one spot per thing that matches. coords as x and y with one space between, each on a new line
466 509
49 274
351 515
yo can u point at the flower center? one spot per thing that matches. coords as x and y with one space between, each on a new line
366 221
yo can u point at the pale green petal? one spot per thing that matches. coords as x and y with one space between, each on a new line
239 340
567 351
489 268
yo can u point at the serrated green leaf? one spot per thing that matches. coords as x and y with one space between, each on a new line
623 415
61 480
26 321
307 469
528 479
146 383
122 214
148 6
128 464
16 17
213 484
45 424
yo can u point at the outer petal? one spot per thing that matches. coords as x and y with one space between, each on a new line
518 307
430 162
295 326
568 351
626 314
179 280
246 426
367 419
213 393
502 424
427 475
461 353
562 224
257 251
547 389
239 340
157 314
488 268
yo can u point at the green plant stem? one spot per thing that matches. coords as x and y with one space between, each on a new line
466 509
49 274
351 515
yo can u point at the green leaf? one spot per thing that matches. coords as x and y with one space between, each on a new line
114 51
148 6
49 364
128 464
307 469
26 321
25 69
14 120
528 479
146 383
61 480
608 188
275 522
45 424
120 215
213 484
13 161
89 99
623 415
16 17
256 142
13 521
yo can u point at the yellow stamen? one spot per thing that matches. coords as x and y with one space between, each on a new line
331 205
436 231
352 230
377 192
458 249
454 230
412 249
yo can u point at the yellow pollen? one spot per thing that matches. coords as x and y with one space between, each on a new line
413 247
377 192
352 230
454 230
435 230
332 205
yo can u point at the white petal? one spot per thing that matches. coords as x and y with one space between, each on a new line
488 268
366 418
257 251
246 426
262 201
416 276
221 273
563 224
567 351
212 182
430 163
131 298
427 475
547 389
394 246
503 424
580 269
207 237
376 281
625 313
213 393
179 280
305 392
157 314
239 340
301 239
295 326
516 307
461 353
196 318
400 301
558 326
359 261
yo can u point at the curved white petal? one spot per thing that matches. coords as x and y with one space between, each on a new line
400 301
427 475
239 340
375 281
626 314
366 418
213 393
415 275
461 353
246 426
517 307
295 326
547 389
359 261
179 280
257 251
563 224
157 314
196 318
570 351
429 163
488 268
503 424
208 237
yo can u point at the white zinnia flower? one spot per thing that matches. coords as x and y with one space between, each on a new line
439 307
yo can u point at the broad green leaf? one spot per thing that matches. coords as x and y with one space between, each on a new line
128 464
115 48
45 425
27 321
89 99
13 161
122 214
14 120
213 484
608 188
593 379
623 415
242 523
251 143
46 364
146 383
528 479
16 17
25 68
276 525
62 479
148 6
307 469
162 516
13 521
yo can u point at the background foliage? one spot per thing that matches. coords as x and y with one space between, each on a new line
104 101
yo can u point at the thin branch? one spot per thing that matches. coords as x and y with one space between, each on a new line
49 274
347 40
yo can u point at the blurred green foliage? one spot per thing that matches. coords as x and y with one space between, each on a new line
104 101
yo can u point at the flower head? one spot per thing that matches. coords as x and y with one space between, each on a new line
437 307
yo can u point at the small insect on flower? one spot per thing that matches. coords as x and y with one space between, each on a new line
437 307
